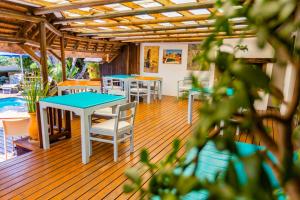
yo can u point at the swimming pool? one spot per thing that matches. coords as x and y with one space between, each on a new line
13 103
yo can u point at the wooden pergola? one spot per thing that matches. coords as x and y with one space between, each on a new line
102 27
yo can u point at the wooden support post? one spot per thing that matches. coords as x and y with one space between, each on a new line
63 58
43 50
127 59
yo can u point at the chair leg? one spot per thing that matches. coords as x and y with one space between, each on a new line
221 126
122 137
5 147
91 148
131 142
115 150
237 131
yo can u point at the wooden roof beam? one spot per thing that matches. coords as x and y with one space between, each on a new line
11 39
19 16
30 52
190 26
54 54
8 25
29 18
180 36
187 39
53 29
140 22
14 5
91 40
139 11
21 5
75 5
163 32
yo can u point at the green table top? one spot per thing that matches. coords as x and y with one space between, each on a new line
83 100
120 76
213 162
229 91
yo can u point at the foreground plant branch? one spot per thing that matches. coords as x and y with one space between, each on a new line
275 22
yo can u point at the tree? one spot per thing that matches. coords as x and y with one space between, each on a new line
275 22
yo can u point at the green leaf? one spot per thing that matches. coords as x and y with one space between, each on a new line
252 75
176 145
224 60
169 196
132 174
128 188
187 184
144 156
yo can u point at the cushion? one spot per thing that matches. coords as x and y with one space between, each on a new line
108 125
104 111
141 90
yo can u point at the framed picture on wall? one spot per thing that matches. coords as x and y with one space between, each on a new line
151 56
193 51
172 56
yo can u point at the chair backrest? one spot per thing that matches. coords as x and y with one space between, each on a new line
118 92
126 112
204 78
138 84
16 127
111 83
187 80
74 91
107 82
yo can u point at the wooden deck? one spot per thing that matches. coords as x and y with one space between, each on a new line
59 174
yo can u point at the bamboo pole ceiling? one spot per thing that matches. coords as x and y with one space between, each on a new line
120 21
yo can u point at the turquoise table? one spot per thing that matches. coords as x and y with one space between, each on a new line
213 162
119 76
83 104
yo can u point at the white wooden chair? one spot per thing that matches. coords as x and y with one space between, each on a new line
14 128
112 84
155 89
108 112
104 113
119 128
184 86
137 90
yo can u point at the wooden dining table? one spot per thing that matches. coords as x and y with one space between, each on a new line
79 85
148 80
84 104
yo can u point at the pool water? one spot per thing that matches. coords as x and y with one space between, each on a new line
12 103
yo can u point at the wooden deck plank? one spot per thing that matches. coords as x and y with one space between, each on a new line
159 134
78 156
59 174
97 167
155 156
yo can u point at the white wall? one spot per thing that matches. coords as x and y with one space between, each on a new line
253 50
171 73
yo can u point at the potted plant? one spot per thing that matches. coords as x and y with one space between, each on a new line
33 90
